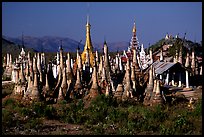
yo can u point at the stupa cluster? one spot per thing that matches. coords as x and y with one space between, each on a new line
123 77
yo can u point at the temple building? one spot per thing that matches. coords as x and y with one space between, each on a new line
134 44
140 53
88 47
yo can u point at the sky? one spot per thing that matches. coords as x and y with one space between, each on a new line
110 21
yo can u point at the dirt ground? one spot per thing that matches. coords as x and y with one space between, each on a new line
56 127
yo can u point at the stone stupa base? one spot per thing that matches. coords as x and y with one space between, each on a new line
35 98
157 100
59 99
147 99
146 102
92 94
187 89
17 96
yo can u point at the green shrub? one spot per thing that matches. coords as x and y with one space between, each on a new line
121 115
74 113
182 125
131 126
180 121
25 111
144 112
9 102
80 116
166 130
62 102
35 123
97 111
198 109
102 114
7 119
50 112
5 78
98 129
122 131
111 117
38 108
104 100
159 114
6 91
61 112
101 109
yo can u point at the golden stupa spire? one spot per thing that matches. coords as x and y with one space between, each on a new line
88 44
134 28
88 36
87 20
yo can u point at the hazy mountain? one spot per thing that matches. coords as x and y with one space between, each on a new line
112 46
14 49
52 43
47 43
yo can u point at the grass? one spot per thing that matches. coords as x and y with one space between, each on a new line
6 78
7 89
106 116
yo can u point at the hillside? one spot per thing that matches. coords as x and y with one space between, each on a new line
14 49
187 46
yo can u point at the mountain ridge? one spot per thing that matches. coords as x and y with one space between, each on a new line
52 43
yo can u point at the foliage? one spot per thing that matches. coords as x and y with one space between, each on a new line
33 123
198 109
176 43
157 45
106 116
5 78
9 101
7 89
50 112
7 119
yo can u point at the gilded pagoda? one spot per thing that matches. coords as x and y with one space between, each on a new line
88 48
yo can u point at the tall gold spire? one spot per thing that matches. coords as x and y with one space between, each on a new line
87 20
134 28
88 44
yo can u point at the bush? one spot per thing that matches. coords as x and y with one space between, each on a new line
102 116
26 111
97 111
182 125
180 121
5 78
7 119
35 123
38 109
123 131
159 114
80 116
50 112
62 102
198 109
98 129
131 127
121 115
74 113
9 102
166 130
7 89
